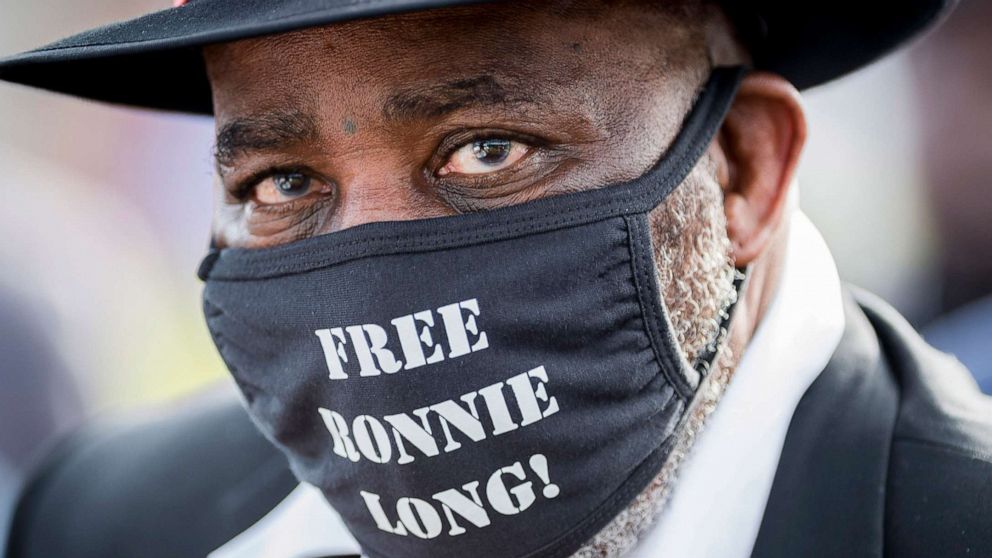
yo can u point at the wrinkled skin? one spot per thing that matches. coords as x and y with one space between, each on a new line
474 108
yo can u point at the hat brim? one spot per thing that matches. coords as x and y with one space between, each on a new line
154 61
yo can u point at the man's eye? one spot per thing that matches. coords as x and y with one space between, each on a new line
283 187
484 156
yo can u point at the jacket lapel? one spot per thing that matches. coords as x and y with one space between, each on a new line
828 497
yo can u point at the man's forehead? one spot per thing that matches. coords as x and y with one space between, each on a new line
425 65
431 96
405 71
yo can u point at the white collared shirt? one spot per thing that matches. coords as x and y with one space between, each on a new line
719 499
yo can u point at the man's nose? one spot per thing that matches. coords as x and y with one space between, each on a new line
370 197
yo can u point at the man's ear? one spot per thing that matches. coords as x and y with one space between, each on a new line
758 152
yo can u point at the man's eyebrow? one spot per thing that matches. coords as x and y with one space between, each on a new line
432 101
270 130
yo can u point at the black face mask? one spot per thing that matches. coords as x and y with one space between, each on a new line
492 384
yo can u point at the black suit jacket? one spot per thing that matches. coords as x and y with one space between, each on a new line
889 453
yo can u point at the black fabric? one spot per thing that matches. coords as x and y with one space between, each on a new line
154 61
179 484
889 452
940 489
560 297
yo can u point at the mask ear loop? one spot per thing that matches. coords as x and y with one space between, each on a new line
709 356
721 77
698 129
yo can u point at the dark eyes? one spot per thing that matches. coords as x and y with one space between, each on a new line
282 187
483 156
475 158
293 184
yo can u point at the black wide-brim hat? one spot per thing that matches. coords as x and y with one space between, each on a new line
154 61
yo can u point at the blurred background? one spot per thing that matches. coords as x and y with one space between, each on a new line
105 215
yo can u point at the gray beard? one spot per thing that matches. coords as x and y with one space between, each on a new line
696 272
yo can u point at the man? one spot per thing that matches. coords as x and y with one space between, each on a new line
519 279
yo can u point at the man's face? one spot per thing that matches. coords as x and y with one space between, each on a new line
443 112
472 109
